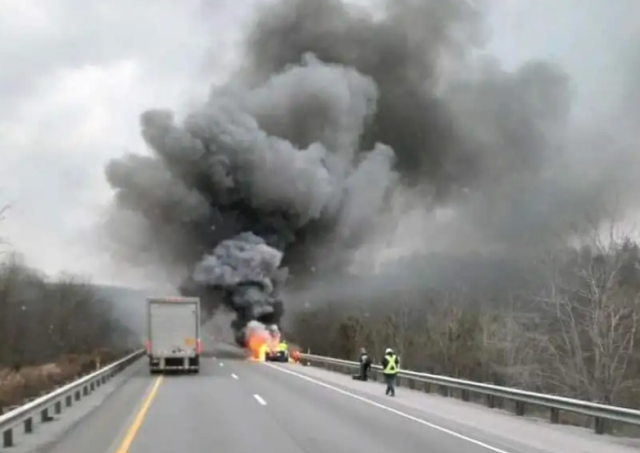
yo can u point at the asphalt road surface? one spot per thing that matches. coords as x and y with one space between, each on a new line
236 406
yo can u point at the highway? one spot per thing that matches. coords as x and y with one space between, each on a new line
236 406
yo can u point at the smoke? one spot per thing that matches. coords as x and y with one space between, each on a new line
244 267
336 116
401 51
492 144
226 199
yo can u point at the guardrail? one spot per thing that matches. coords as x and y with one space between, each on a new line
600 413
42 409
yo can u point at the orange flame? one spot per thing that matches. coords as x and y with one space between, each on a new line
255 343
261 341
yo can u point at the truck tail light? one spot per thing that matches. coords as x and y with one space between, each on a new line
147 346
198 346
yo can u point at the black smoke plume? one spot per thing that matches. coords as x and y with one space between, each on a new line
226 198
333 109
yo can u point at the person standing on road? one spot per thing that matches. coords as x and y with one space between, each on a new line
390 367
365 366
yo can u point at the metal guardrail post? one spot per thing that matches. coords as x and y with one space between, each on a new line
39 409
494 396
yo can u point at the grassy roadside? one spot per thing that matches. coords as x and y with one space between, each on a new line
19 386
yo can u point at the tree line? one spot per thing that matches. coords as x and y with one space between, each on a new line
42 320
561 321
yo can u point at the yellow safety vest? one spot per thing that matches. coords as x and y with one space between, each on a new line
392 365
282 347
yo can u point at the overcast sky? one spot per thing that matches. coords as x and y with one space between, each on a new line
75 75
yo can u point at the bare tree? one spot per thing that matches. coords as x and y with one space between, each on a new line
589 321
41 321
508 349
569 324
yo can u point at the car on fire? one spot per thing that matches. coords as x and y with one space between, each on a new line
278 354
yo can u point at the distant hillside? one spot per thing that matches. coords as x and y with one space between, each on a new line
128 305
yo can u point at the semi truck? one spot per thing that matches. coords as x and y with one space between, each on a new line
173 334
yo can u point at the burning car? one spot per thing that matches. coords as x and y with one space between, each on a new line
278 353
267 345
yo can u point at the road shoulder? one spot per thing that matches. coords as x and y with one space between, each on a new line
96 429
474 419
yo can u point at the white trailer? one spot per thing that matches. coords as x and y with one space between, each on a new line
173 334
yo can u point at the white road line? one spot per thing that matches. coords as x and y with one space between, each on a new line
234 376
387 408
221 364
260 400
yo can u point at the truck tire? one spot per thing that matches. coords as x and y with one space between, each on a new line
194 365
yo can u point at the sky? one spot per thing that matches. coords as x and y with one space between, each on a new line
79 74
76 74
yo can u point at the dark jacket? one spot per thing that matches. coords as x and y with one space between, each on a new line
365 360
385 360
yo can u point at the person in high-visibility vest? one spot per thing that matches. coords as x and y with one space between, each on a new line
283 351
390 367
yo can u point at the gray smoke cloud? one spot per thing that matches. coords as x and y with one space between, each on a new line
245 268
502 147
334 112
245 258
226 198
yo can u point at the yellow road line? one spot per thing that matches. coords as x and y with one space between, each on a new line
137 421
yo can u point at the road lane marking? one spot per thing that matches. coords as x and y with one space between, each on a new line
139 418
221 364
234 376
260 400
389 409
